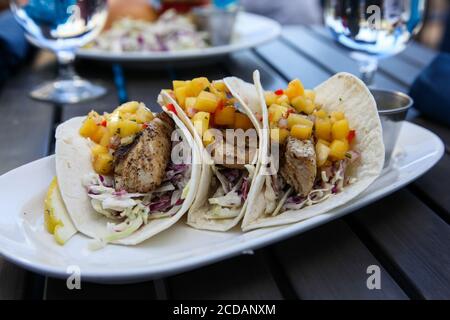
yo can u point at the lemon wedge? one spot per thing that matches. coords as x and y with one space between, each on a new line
56 217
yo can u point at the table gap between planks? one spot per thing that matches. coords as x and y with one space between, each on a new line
406 234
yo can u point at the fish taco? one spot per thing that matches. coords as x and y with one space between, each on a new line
330 150
118 174
224 117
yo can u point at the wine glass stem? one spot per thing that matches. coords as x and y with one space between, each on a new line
66 70
368 68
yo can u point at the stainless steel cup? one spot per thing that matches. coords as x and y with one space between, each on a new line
218 22
392 107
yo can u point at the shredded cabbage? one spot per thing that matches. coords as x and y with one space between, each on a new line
219 213
329 182
172 32
133 210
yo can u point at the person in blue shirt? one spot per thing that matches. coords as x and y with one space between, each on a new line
446 39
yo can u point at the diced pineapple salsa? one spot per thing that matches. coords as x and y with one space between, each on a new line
293 112
109 130
209 105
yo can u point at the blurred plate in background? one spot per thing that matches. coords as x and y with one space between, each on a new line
250 30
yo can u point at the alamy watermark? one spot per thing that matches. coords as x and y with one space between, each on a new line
73 281
230 147
374 280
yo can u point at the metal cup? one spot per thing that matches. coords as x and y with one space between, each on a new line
392 107
218 22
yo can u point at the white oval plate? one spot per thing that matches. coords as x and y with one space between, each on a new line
24 241
250 30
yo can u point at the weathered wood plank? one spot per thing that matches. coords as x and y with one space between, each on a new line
433 188
25 123
243 64
330 262
146 86
12 281
244 277
402 69
57 290
415 241
103 75
25 131
329 54
292 65
442 131
418 54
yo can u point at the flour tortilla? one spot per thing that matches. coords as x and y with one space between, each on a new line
343 92
247 96
73 162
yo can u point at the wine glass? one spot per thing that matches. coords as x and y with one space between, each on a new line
62 26
374 29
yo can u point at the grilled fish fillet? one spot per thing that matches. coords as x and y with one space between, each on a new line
230 155
141 165
298 167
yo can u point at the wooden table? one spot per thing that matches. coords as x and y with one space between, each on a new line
406 234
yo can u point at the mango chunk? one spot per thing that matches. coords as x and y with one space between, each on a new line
241 121
220 86
340 129
322 153
279 135
190 103
195 86
103 164
276 112
295 119
143 114
207 102
201 122
88 128
180 95
303 104
127 128
295 89
178 84
323 128
311 95
128 107
225 116
271 98
301 131
338 149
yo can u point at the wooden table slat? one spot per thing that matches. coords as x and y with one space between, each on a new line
243 64
415 54
330 262
433 187
334 57
243 277
396 67
106 103
442 131
291 65
415 241
25 135
419 54
56 289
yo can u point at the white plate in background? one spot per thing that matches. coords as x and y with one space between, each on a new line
250 31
